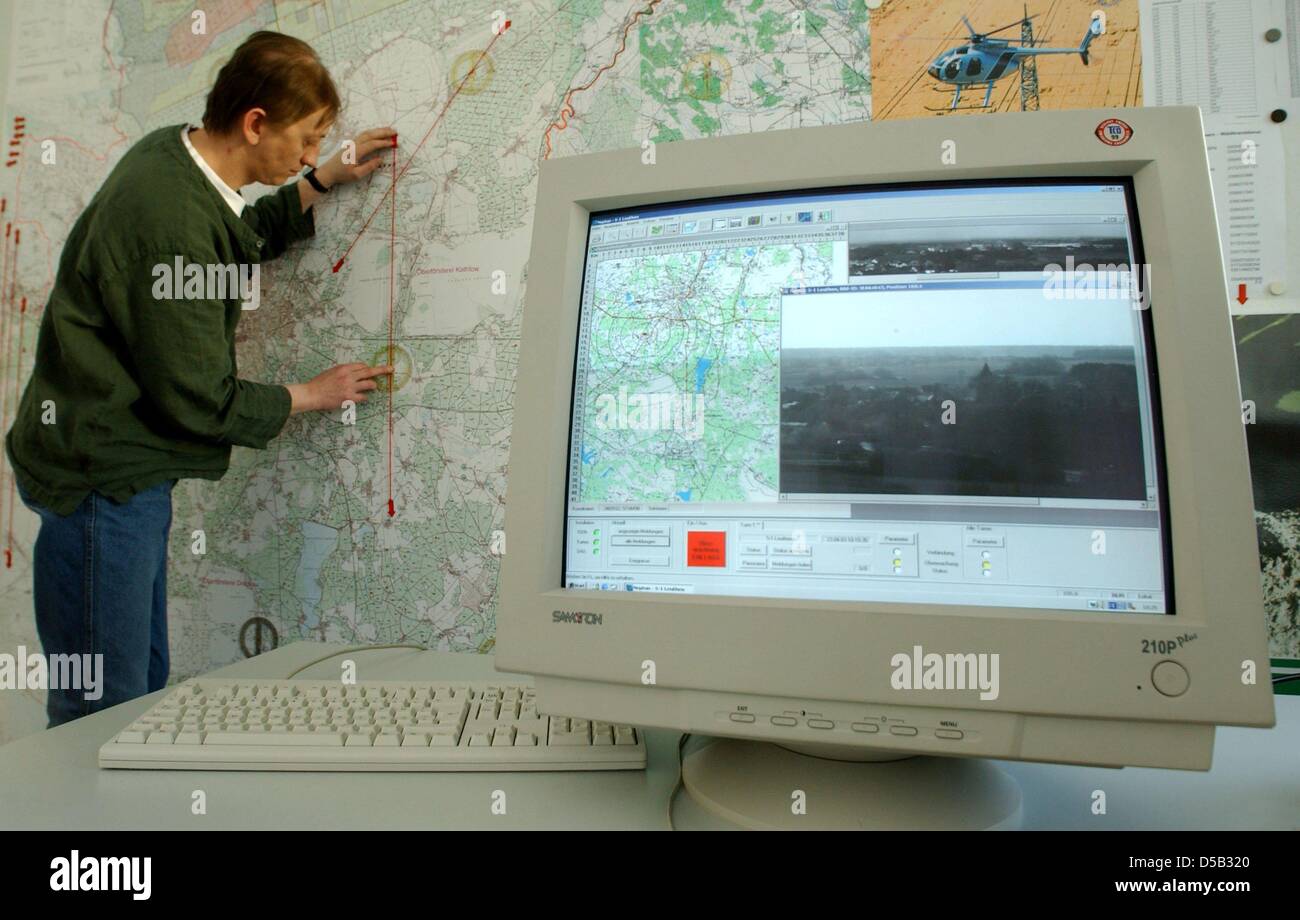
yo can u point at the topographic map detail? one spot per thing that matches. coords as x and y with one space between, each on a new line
704 323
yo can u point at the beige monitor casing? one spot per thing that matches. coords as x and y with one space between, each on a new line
1074 687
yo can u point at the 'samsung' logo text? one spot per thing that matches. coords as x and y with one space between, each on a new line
932 671
577 616
102 873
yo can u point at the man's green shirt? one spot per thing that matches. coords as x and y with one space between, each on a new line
130 388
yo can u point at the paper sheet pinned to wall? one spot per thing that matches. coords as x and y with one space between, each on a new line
1212 53
1246 170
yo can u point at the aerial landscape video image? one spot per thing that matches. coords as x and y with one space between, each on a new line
926 251
1040 421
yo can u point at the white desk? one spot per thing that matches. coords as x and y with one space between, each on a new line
52 779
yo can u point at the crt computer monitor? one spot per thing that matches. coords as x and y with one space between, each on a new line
878 440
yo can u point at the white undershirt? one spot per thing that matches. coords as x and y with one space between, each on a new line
232 197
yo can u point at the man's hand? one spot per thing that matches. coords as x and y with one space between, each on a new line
335 172
329 390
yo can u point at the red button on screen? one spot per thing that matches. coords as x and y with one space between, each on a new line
706 547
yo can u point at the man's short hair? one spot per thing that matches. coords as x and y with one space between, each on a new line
275 72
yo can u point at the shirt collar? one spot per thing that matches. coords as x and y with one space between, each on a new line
228 194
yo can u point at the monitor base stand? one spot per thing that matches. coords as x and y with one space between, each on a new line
754 784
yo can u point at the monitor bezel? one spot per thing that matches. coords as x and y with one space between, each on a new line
1087 665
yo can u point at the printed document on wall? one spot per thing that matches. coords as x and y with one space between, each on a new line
1212 53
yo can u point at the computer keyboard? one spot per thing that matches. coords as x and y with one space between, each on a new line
224 724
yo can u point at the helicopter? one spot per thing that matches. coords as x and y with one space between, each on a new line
987 59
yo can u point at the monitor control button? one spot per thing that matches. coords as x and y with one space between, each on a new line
906 730
949 734
869 728
742 717
785 720
1170 678
820 723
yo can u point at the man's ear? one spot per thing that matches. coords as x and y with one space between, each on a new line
255 123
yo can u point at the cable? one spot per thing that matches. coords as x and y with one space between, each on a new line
1285 678
681 746
348 651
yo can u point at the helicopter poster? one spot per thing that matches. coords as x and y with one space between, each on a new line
933 58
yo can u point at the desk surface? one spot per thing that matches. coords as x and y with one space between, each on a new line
52 779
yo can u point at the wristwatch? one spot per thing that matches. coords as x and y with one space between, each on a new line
310 176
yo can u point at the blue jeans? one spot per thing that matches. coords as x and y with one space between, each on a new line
100 588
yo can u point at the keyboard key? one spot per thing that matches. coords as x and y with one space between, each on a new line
568 740
268 739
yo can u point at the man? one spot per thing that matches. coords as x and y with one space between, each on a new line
135 383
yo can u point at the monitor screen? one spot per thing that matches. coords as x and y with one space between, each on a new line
936 394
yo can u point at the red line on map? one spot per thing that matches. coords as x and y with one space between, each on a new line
392 287
567 109
427 134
